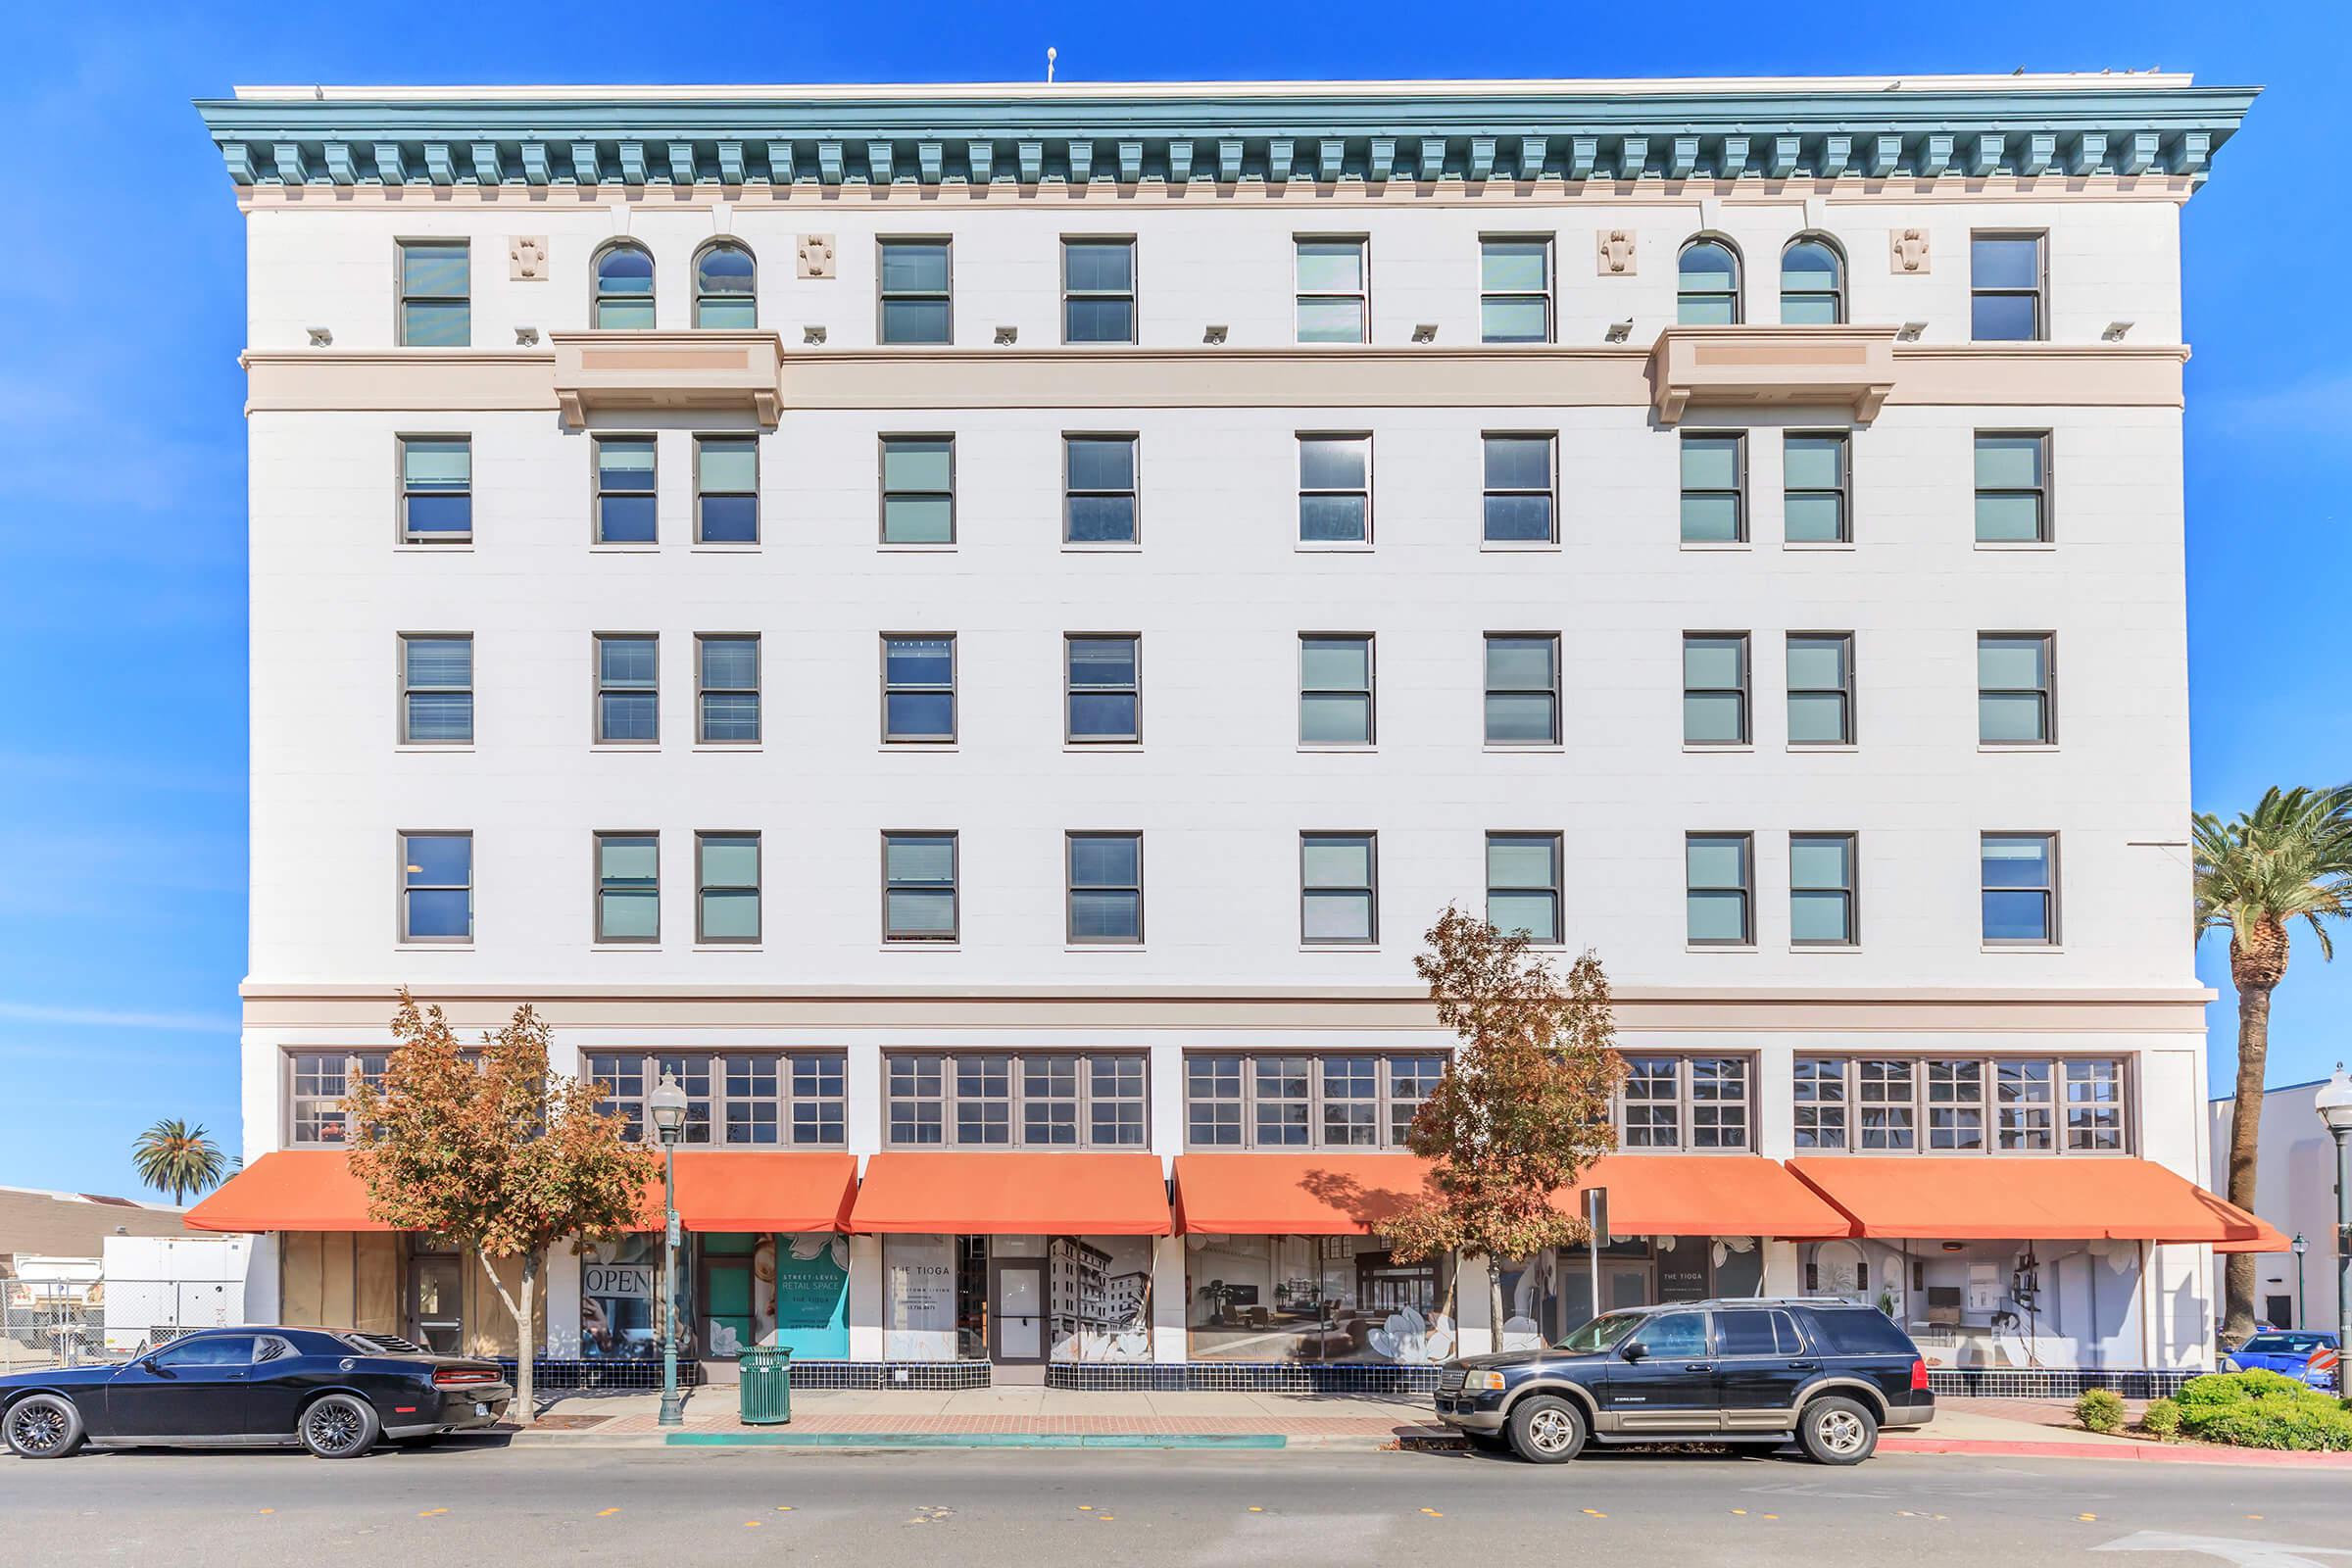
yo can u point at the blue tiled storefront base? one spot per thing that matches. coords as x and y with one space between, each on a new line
1241 1377
2045 1383
567 1372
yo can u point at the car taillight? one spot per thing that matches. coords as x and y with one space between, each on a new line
462 1377
1919 1376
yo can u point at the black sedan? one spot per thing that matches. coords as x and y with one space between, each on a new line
335 1394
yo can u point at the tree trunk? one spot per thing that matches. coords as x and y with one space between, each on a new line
522 1409
2245 1124
1494 1299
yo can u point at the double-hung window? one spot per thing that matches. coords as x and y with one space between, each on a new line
918 688
1821 890
1332 293
1098 492
628 696
1815 501
918 490
918 887
1344 1099
726 888
2006 287
1675 1102
1960 1104
629 887
1720 868
744 1097
1338 889
1102 691
1523 689
624 490
1707 284
725 288
1821 688
2019 890
726 490
727 690
1098 291
2014 694
1106 888
915 294
623 299
321 1081
1715 488
1335 690
1955 1104
436 490
1334 489
1519 506
436 689
1514 290
437 308
436 887
1715 688
2013 487
1007 1099
1812 283
1523 885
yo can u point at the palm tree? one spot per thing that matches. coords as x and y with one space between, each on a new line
177 1158
2288 858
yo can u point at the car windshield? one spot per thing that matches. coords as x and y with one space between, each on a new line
1602 1333
2283 1343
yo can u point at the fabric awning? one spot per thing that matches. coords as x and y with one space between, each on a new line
1012 1195
2029 1198
732 1190
292 1190
1348 1194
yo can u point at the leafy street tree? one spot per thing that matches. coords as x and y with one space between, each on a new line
494 1149
2288 858
175 1158
1523 1108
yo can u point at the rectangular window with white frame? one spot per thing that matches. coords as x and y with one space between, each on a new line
1099 495
1519 506
1334 290
1015 1099
918 688
745 1098
916 298
919 896
1097 290
1714 487
1514 288
2008 281
2016 695
1822 903
628 888
918 490
436 490
726 895
1102 689
436 888
727 689
2013 487
628 689
1816 498
1338 889
1328 1100
1334 489
436 287
1523 885
624 490
1821 688
1998 1105
1523 689
1335 689
2019 890
1719 891
318 1083
1715 670
1104 874
1699 1101
726 490
436 689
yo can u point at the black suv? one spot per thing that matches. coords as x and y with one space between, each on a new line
1822 1372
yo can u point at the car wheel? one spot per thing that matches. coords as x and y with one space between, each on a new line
1836 1431
43 1426
339 1425
1544 1430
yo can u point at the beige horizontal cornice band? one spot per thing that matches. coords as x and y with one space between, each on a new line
1417 376
2175 1010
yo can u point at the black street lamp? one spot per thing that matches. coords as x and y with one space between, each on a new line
667 1105
2300 1247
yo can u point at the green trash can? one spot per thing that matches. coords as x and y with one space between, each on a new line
764 1387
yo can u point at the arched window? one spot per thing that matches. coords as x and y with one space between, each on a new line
1812 282
1707 284
624 286
725 283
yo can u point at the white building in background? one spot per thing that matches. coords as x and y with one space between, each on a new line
978 625
2295 1193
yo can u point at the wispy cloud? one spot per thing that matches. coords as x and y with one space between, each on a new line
110 1018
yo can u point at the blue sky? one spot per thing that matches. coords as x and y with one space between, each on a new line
122 532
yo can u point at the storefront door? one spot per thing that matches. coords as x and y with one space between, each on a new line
1016 1294
436 1320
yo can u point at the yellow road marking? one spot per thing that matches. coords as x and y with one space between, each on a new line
2087 1518
269 1510
753 1524
1772 1516
1086 1507
783 1507
1739 1510
605 1513
431 1513
1254 1509
1597 1513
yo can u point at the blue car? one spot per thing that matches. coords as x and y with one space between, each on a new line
2311 1354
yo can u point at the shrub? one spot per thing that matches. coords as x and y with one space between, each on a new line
2161 1419
2100 1410
2263 1410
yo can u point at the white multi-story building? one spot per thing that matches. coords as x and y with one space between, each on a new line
977 626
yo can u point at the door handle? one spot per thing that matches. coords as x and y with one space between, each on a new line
1698 1366
1804 1366
234 1377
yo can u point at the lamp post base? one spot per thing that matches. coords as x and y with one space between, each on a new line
673 1409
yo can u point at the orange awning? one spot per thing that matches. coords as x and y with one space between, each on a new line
1012 1195
1348 1194
733 1189
292 1190
2032 1198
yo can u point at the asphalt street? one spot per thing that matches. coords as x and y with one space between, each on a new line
480 1500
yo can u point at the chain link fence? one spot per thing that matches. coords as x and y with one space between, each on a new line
47 1323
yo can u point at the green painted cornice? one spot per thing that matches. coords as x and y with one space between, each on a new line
1024 135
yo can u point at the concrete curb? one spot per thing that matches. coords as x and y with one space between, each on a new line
1258 1443
2152 1452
